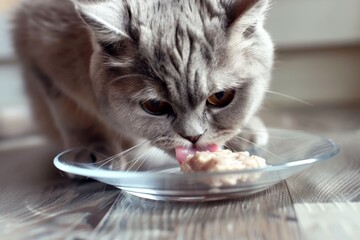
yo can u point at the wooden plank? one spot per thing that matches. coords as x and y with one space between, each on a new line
336 180
266 215
327 196
66 210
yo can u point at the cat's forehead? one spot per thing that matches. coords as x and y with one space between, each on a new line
158 14
180 28
180 44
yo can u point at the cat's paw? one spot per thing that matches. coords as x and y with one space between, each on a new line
254 134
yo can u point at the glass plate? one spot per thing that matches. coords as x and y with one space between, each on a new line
287 153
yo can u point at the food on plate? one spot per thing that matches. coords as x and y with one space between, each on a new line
224 160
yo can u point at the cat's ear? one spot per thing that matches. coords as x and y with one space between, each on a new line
243 14
108 19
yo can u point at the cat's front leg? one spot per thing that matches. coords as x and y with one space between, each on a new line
253 134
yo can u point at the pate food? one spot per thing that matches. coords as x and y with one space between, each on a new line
224 160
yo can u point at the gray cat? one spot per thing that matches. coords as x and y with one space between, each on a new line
171 75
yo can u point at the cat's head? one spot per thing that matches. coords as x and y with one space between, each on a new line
179 72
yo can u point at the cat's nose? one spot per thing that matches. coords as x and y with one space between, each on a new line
193 139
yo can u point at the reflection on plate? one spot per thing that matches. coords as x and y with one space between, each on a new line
287 153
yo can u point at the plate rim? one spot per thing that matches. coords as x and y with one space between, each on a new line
111 174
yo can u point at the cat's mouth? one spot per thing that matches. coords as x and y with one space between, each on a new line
182 152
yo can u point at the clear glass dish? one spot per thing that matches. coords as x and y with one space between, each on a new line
287 153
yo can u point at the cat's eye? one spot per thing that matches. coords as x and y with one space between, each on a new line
156 107
221 99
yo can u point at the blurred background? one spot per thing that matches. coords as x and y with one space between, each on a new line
318 62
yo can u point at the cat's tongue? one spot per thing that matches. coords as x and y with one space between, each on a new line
182 152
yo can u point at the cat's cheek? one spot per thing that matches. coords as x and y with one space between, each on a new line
149 127
218 136
226 119
123 103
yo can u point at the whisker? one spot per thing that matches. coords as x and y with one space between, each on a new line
254 131
141 163
126 163
262 148
229 146
213 139
121 154
274 146
138 158
269 136
125 76
135 162
118 62
94 151
152 162
290 97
